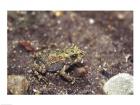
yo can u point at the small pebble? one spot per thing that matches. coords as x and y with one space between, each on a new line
91 21
58 21
121 16
120 84
81 71
17 84
58 13
26 44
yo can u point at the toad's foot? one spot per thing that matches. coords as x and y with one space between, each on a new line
66 75
40 77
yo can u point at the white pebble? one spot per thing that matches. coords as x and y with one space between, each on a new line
91 21
120 84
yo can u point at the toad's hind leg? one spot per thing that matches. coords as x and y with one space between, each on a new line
66 75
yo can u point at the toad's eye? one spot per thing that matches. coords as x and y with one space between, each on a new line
74 56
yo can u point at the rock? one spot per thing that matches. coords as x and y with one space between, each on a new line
120 84
81 71
17 84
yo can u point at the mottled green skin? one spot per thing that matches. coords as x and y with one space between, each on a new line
53 61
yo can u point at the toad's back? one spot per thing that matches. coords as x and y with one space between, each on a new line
49 60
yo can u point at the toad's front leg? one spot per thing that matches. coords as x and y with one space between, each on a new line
66 75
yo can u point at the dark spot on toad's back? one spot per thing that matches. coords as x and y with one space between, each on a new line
55 67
